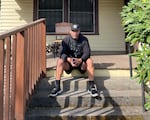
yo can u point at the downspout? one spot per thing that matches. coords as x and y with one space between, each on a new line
128 48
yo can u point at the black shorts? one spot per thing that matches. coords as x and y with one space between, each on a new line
72 68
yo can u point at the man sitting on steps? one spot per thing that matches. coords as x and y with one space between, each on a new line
75 54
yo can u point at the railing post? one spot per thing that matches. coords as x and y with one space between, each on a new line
20 93
43 49
1 77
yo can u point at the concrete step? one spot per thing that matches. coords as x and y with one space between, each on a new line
119 96
105 65
83 99
81 83
119 99
114 91
87 113
98 73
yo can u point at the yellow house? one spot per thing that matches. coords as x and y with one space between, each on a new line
100 20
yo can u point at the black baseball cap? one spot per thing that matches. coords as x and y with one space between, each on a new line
75 27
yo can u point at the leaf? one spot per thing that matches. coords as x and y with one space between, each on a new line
148 39
147 105
128 21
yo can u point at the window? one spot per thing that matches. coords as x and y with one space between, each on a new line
83 12
52 10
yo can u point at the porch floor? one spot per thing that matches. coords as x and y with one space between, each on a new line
102 61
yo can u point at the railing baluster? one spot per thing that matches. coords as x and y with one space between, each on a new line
26 38
43 49
13 77
30 62
40 49
1 77
7 81
20 78
36 53
34 60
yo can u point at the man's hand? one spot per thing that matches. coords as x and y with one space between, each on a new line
75 62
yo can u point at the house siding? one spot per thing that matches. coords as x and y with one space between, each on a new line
15 13
111 34
110 37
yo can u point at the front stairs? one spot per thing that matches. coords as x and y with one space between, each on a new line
119 98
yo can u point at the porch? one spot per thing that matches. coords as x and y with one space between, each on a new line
119 96
23 69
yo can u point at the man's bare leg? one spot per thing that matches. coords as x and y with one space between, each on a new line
90 70
61 66
59 69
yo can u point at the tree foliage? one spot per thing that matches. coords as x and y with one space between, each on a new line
136 23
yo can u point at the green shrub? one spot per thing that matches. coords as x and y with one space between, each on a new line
136 23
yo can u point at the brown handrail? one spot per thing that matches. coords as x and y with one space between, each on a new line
22 65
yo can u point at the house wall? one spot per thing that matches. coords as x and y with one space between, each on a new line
111 34
110 38
15 13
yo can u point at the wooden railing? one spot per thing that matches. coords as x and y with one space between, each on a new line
22 65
